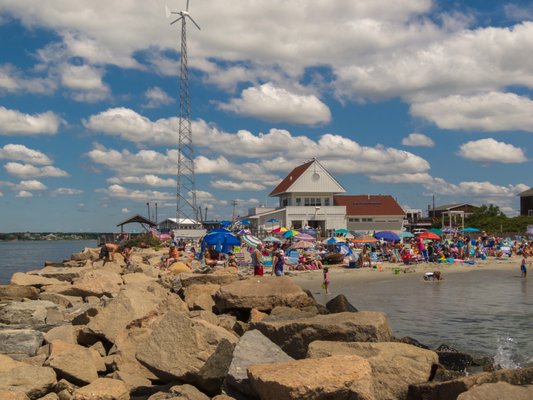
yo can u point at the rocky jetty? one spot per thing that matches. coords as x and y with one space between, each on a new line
78 330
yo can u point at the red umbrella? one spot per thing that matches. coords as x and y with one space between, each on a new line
429 235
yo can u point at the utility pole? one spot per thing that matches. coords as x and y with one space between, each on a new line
234 204
148 207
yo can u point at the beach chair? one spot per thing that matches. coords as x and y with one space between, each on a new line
374 258
241 260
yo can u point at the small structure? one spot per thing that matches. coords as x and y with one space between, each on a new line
526 203
184 227
139 219
467 210
371 212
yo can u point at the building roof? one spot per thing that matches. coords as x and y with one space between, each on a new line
369 205
182 221
304 179
527 193
139 219
291 178
447 207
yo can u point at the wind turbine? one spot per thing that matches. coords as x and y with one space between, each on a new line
186 189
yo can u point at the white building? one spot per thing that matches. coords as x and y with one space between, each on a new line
310 196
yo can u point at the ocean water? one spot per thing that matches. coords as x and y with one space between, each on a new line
481 312
21 256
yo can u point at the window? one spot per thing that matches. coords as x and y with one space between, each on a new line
285 202
367 219
298 201
326 201
530 213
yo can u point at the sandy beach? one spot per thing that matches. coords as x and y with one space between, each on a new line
385 271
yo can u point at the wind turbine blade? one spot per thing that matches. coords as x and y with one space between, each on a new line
167 11
176 20
194 22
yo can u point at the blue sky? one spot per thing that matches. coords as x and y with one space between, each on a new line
413 98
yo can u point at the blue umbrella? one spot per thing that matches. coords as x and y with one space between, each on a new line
222 240
244 222
272 220
388 236
470 230
311 232
225 224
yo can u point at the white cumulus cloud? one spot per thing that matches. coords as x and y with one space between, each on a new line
418 139
157 97
24 193
13 122
20 152
30 185
492 151
28 171
67 191
275 104
231 185
148 180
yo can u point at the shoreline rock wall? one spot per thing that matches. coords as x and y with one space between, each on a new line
78 330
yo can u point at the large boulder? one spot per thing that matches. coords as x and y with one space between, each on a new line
134 302
179 346
33 381
24 279
31 314
96 282
294 335
498 391
262 293
219 277
61 299
17 292
253 348
12 395
64 274
454 359
20 343
336 377
103 389
75 363
453 388
200 297
395 366
211 376
340 304
64 333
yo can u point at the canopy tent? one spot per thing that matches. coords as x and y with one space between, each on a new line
139 219
341 231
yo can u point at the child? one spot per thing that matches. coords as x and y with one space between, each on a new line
523 266
326 279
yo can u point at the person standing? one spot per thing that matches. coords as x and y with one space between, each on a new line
257 260
278 262
325 284
523 266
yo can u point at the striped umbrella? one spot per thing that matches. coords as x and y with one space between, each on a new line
281 229
250 240
290 233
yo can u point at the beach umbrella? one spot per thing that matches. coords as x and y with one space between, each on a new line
250 240
470 230
333 240
311 232
244 222
225 224
290 233
272 239
221 240
388 236
272 220
436 230
281 229
164 236
365 240
429 235
305 236
341 231
406 235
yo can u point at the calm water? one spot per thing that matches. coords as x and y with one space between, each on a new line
23 256
485 313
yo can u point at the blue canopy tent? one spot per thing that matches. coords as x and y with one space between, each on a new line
388 236
221 239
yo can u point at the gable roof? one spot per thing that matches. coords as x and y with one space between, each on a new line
139 219
291 178
446 207
369 205
527 193
303 179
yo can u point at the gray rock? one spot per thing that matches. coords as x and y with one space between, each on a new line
31 314
20 342
35 382
179 346
261 293
252 348
211 376
17 292
294 335
340 304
